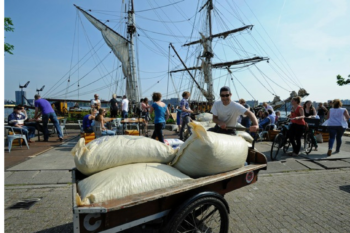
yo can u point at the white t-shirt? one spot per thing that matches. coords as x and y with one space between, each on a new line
271 108
125 105
229 113
93 102
337 118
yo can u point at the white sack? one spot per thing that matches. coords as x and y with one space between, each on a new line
204 117
207 153
206 124
112 151
127 180
246 136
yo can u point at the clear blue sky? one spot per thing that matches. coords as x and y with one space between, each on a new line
312 35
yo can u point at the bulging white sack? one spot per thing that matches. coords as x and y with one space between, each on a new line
204 117
126 180
112 151
206 153
246 136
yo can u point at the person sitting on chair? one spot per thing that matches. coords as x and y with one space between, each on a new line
99 121
16 119
226 112
265 121
88 119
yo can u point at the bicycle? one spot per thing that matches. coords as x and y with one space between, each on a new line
280 141
309 138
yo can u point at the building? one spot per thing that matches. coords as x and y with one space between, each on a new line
20 97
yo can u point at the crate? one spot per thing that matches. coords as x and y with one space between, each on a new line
88 137
132 132
325 135
272 134
15 142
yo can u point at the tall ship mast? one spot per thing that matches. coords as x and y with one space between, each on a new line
123 48
207 54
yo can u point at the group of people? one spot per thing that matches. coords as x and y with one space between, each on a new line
336 117
226 114
43 113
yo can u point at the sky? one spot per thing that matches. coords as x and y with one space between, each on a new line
308 43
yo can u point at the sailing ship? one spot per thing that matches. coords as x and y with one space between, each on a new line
202 84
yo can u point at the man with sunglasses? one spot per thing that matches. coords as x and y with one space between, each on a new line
226 112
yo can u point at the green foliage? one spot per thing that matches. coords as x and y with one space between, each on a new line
8 23
341 81
170 121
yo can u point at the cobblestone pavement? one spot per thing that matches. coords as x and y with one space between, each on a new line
314 201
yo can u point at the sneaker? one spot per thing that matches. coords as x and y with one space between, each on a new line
329 153
61 139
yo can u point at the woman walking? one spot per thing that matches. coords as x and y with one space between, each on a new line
160 110
337 123
310 112
297 127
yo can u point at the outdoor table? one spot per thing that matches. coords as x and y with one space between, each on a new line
39 123
132 121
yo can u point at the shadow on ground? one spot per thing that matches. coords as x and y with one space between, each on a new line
59 229
345 188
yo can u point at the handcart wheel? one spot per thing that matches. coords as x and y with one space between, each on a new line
276 145
207 214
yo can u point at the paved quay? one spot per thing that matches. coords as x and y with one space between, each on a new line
304 194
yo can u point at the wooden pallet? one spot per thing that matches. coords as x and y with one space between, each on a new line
132 132
272 134
88 137
325 135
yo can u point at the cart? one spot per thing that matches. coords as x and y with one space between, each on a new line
195 206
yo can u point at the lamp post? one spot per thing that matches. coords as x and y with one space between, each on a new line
39 90
25 86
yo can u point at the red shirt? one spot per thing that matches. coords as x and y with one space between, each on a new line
296 113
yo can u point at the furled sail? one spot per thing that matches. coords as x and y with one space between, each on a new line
116 42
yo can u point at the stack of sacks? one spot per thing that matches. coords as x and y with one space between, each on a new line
126 180
207 153
204 117
108 152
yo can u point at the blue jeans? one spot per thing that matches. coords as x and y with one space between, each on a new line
185 121
245 122
158 131
108 132
52 116
124 114
335 133
28 131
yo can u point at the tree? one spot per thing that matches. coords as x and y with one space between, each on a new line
8 23
341 81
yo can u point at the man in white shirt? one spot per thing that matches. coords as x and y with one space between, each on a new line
226 112
96 103
125 107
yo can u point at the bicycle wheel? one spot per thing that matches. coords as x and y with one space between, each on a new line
307 144
286 146
276 145
207 214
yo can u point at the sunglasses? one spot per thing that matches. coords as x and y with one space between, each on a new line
227 95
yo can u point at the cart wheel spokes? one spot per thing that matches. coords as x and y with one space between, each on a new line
204 215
